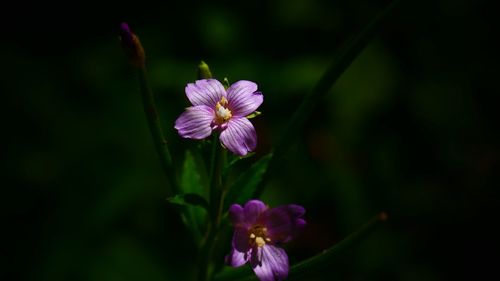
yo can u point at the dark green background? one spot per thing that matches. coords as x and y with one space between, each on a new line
409 128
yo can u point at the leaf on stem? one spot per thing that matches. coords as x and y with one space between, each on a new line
189 199
191 176
193 199
243 188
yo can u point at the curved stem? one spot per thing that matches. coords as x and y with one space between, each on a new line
346 55
156 129
324 258
329 255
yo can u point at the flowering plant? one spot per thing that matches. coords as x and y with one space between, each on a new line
215 109
258 232
210 204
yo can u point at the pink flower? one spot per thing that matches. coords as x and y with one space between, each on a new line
258 231
214 108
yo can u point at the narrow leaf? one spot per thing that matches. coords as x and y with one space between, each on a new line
244 187
254 114
191 176
192 197
189 199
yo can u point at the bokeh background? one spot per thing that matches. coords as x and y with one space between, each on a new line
410 128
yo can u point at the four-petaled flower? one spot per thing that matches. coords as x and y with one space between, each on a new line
214 108
258 230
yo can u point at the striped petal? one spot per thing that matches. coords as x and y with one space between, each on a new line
252 210
243 98
273 265
239 136
205 92
194 123
236 259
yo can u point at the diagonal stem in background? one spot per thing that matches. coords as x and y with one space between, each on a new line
322 259
346 55
156 129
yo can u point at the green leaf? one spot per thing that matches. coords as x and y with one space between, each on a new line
190 178
243 188
254 114
233 160
192 198
189 199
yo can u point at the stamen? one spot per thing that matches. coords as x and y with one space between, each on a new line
223 101
222 113
259 241
258 236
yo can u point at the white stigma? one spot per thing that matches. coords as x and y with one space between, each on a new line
223 113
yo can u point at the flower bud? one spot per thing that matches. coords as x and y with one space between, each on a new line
132 46
204 71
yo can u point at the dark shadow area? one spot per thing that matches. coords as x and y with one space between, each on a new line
410 129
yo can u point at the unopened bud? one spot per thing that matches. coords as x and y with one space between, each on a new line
132 46
204 71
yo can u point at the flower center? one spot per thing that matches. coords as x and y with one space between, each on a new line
258 236
222 113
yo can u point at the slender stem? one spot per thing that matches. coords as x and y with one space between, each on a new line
332 253
346 55
155 128
203 256
214 178
216 207
322 259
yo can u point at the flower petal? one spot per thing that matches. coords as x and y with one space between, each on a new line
235 258
274 264
194 123
243 98
241 239
253 209
205 92
236 214
283 223
239 136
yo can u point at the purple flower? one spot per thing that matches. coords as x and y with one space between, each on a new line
214 108
258 230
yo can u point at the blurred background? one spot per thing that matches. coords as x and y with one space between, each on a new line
410 128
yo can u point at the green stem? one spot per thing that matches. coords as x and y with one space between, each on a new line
217 193
325 258
329 255
155 128
204 254
347 54
215 175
